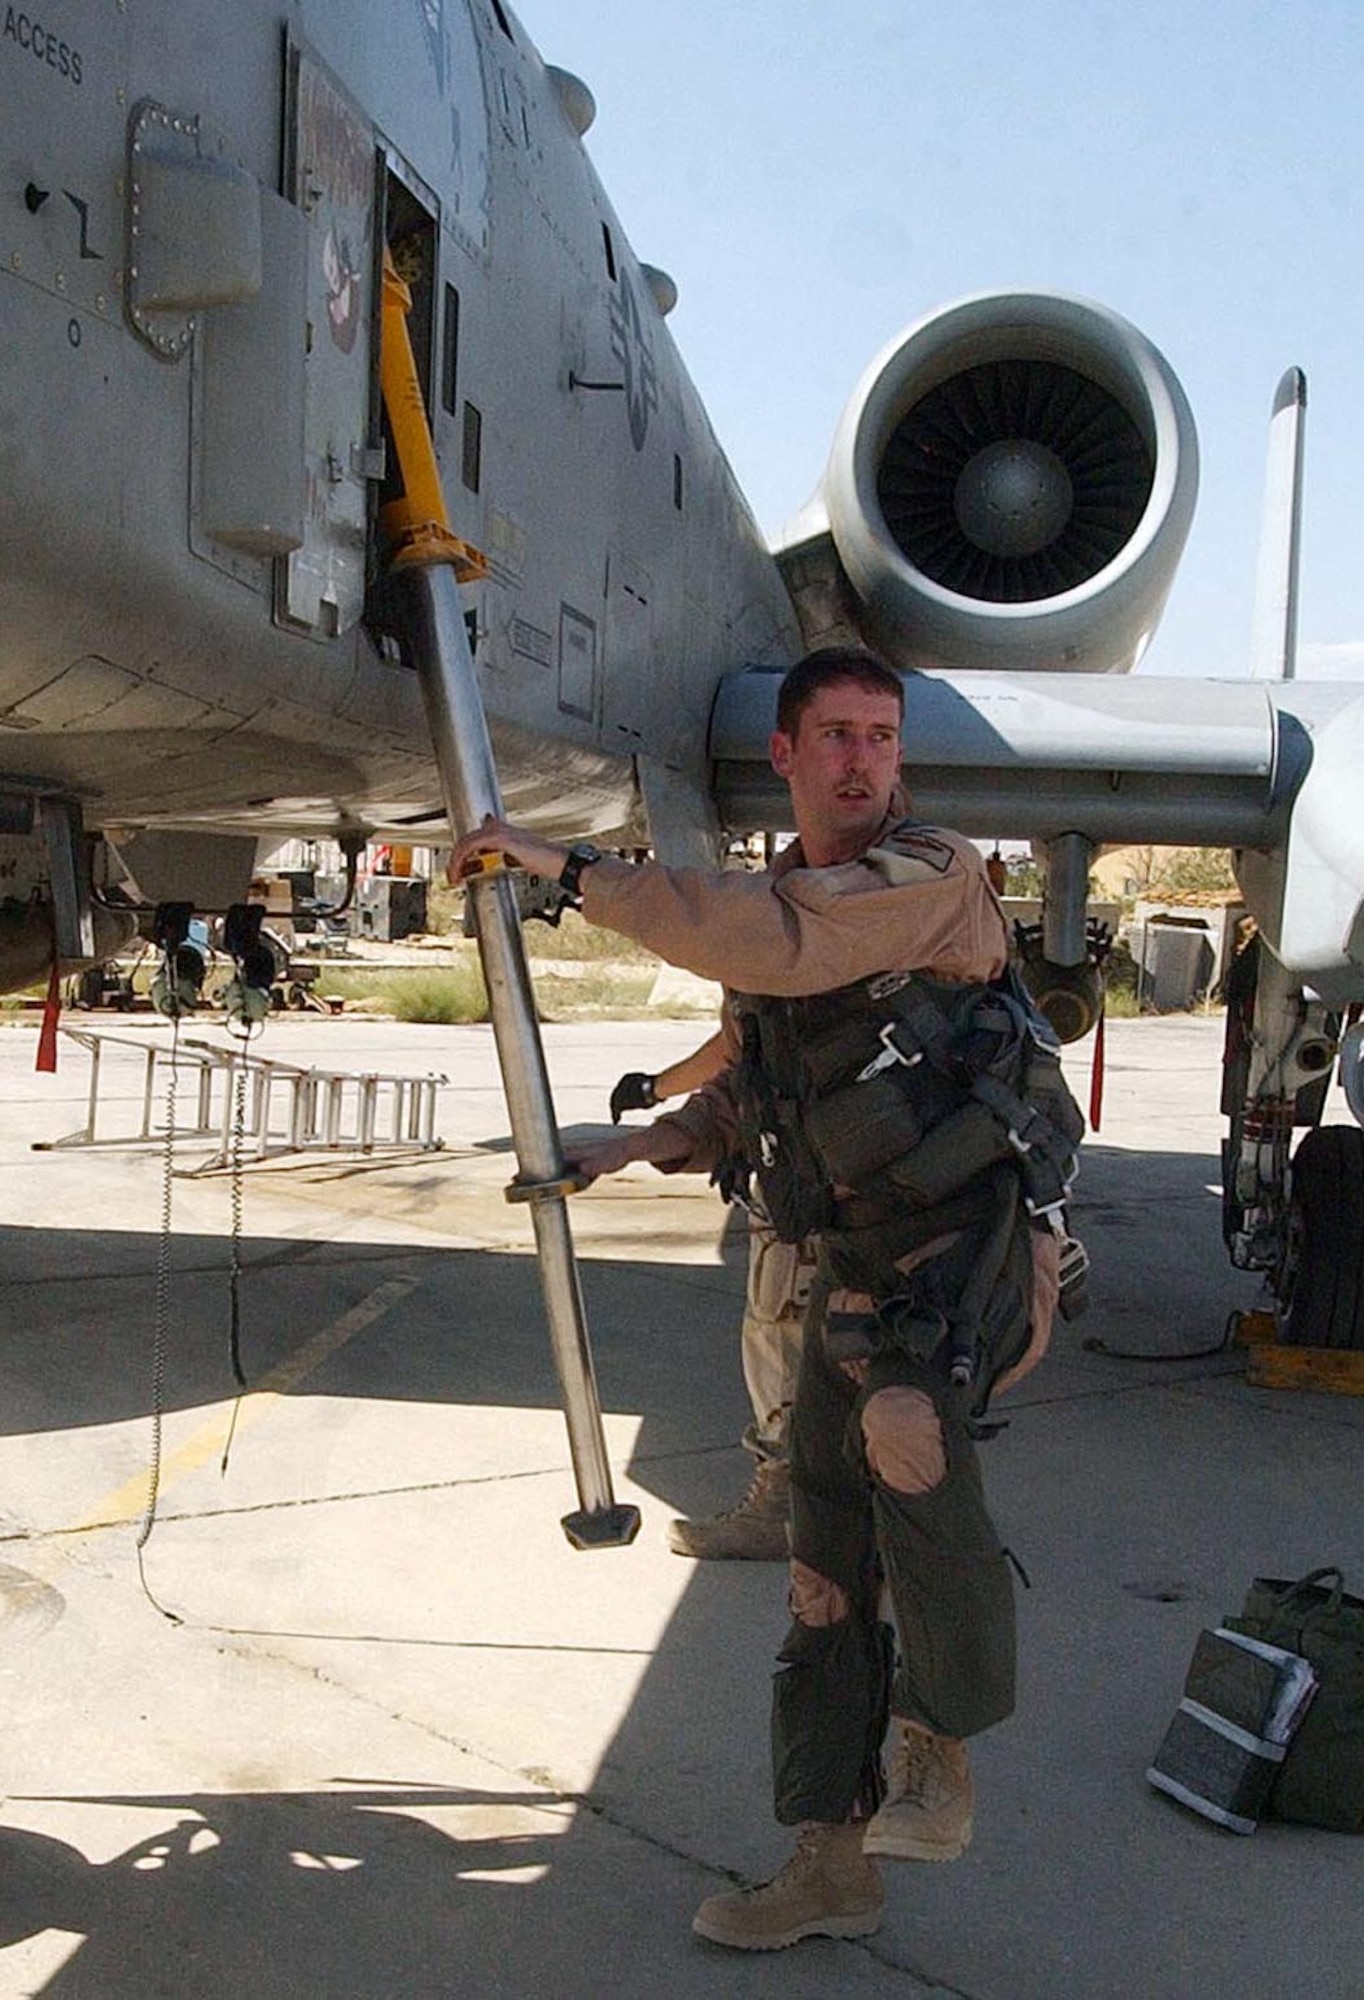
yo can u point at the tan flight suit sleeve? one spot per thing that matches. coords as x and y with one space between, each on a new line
919 900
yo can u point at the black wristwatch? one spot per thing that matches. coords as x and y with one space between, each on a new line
583 855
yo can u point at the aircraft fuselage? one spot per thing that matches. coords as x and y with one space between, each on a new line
190 438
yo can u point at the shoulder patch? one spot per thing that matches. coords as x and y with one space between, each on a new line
914 841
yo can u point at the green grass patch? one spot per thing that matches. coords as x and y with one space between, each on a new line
1120 1003
450 996
446 995
615 992
572 938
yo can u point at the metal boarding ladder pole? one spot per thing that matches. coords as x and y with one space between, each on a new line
426 566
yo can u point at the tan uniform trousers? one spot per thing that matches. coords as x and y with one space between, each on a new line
775 1301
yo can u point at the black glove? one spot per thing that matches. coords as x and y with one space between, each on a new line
634 1092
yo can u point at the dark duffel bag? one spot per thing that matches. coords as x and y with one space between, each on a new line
1321 1782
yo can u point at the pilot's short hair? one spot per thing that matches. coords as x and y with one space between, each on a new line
825 668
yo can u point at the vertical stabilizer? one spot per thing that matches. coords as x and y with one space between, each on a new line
1274 638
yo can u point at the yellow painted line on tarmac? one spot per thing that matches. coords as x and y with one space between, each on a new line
129 1500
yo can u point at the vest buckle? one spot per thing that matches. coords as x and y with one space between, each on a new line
891 1053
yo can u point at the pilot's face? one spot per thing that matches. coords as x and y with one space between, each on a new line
841 765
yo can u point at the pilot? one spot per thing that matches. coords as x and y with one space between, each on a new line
866 1022
776 1296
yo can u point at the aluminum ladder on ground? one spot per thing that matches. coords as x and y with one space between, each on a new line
287 1108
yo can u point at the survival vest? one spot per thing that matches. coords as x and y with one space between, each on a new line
877 1116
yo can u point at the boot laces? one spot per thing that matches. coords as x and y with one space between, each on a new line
765 1496
914 1767
812 1840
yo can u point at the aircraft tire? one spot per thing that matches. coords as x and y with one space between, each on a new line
1324 1299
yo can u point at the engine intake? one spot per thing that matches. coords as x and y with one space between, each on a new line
1010 486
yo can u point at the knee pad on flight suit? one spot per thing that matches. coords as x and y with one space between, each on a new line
902 1437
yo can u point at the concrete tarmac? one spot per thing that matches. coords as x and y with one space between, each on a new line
374 1731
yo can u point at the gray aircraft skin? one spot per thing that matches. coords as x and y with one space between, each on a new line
195 652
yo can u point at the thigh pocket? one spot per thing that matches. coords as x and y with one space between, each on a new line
829 1708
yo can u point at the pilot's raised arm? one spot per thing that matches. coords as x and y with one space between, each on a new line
917 898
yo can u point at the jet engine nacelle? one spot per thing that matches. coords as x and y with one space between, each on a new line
1009 487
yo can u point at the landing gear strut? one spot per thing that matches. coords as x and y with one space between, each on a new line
1298 1216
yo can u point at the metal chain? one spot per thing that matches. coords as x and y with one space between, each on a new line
161 1309
235 1263
161 1330
243 1033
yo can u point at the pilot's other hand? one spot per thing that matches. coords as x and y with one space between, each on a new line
635 1092
659 1144
595 1157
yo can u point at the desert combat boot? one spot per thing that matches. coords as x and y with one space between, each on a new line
930 1798
754 1531
827 1889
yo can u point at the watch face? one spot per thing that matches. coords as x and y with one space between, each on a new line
582 855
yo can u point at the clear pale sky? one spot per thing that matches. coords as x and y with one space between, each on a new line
815 174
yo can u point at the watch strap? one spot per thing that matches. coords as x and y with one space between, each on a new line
583 855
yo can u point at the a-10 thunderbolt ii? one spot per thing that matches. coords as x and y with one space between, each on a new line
198 646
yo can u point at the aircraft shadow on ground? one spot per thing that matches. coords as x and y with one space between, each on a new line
76 1343
319 1895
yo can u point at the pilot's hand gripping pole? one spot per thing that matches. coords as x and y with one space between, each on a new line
428 564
